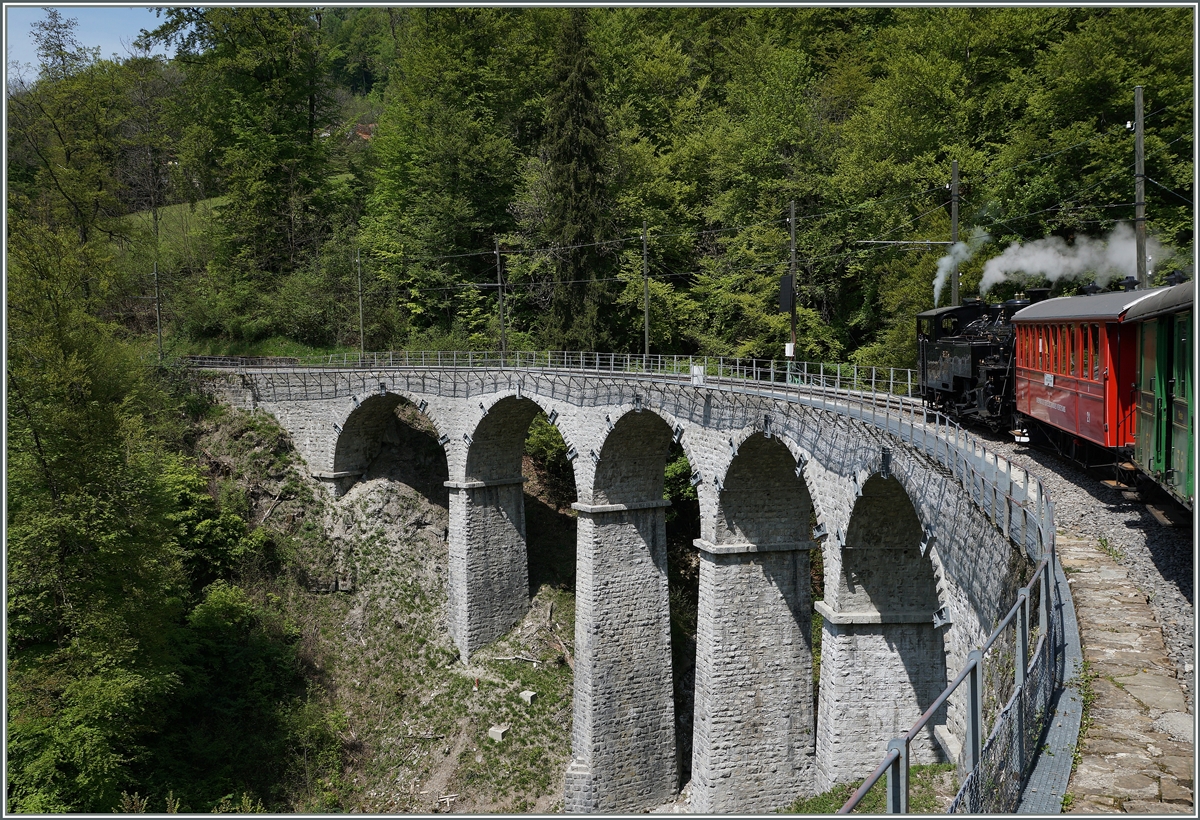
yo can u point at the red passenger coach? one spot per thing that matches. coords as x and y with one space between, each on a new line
1076 366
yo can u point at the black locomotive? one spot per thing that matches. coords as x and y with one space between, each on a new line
965 359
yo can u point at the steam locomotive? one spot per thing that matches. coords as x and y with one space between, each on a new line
1105 378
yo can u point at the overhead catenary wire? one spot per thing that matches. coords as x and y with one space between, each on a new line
865 205
1168 190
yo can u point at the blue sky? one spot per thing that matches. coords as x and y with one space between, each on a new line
103 26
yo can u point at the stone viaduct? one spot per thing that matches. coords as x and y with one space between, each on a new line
779 471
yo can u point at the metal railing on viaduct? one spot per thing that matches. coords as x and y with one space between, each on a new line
1006 726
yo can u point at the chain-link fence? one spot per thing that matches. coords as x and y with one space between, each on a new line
994 785
1032 653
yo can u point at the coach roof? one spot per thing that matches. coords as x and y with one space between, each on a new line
1174 299
1100 307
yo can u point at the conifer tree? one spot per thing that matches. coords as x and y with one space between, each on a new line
575 217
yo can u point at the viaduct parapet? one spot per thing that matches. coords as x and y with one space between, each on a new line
905 531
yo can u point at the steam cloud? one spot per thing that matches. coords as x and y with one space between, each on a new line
1108 257
960 253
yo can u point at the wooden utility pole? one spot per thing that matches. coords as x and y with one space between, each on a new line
158 312
645 290
954 300
362 334
792 231
1139 172
500 296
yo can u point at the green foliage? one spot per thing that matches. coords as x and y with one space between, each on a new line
138 585
545 445
559 132
574 217
129 648
677 482
240 710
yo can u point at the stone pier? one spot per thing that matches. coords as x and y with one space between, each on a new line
882 658
623 738
489 571
753 741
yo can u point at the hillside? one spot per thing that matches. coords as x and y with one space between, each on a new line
366 591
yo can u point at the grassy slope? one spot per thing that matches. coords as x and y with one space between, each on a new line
931 789
413 725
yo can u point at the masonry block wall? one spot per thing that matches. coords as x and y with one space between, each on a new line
753 742
756 528
489 572
623 739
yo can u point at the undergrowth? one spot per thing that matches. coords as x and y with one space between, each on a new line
930 789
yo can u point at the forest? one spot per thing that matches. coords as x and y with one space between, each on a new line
305 180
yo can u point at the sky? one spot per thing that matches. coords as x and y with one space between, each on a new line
109 27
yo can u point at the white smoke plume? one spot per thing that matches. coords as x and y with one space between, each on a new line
1109 257
960 253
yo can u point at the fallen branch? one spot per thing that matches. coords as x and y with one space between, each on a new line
534 661
271 508
562 646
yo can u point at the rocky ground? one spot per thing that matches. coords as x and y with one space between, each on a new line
365 585
1137 744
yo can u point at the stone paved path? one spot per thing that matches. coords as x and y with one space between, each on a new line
1137 753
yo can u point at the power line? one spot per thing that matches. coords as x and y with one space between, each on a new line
1168 190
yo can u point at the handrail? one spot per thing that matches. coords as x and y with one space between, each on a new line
897 754
892 380
862 790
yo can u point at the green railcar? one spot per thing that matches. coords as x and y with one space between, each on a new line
1166 428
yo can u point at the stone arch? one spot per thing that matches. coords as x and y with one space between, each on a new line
366 428
884 520
882 658
754 639
489 558
807 467
498 440
763 501
632 459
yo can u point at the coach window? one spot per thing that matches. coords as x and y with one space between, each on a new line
1041 346
1056 330
1074 331
1064 351
1084 358
1096 352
